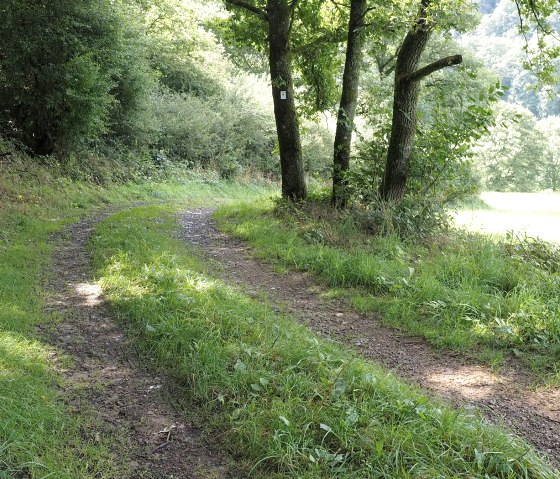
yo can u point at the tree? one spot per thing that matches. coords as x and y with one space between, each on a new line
405 102
278 15
348 102
66 69
550 129
513 156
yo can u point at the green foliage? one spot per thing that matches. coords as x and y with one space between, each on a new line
549 128
441 169
227 134
316 34
524 58
466 292
512 156
62 69
288 402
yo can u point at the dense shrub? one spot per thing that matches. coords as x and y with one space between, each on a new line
65 68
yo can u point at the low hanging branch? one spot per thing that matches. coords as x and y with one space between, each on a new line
405 103
251 8
431 68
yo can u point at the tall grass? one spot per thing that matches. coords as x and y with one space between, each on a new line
288 402
464 291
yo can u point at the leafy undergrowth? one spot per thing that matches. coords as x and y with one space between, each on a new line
463 291
39 436
290 403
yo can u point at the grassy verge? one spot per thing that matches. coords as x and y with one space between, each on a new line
464 291
39 436
290 403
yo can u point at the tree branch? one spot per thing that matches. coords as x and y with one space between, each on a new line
249 7
431 68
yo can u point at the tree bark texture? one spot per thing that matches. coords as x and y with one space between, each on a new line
348 102
405 104
279 15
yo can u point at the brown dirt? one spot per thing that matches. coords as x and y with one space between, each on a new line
507 397
138 411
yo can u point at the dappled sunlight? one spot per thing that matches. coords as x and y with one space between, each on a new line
470 382
18 354
201 283
90 293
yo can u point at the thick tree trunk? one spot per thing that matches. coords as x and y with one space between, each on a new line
348 102
405 104
291 159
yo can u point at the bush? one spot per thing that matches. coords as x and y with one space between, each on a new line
59 66
229 134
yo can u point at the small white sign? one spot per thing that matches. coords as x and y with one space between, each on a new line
282 95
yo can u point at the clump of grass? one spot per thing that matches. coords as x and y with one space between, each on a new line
290 403
464 291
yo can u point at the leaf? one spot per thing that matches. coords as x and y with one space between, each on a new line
264 381
325 427
240 366
339 387
150 328
284 420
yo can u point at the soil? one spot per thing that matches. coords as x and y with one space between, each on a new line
139 412
508 397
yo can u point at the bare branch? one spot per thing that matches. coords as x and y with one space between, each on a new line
431 68
249 7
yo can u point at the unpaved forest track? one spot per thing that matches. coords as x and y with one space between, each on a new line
507 397
135 407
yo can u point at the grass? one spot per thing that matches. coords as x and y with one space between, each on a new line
41 435
468 292
286 401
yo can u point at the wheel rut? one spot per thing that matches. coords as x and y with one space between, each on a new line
507 397
140 412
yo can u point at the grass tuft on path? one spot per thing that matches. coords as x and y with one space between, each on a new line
467 292
41 435
290 403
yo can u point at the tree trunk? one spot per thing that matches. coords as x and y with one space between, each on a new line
287 127
348 102
405 105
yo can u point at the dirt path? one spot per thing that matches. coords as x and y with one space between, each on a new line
136 408
507 397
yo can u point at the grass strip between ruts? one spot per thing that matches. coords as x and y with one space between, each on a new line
290 403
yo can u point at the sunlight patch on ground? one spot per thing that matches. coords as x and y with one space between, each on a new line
534 214
89 292
472 383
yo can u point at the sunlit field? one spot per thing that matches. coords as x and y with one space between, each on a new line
535 214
